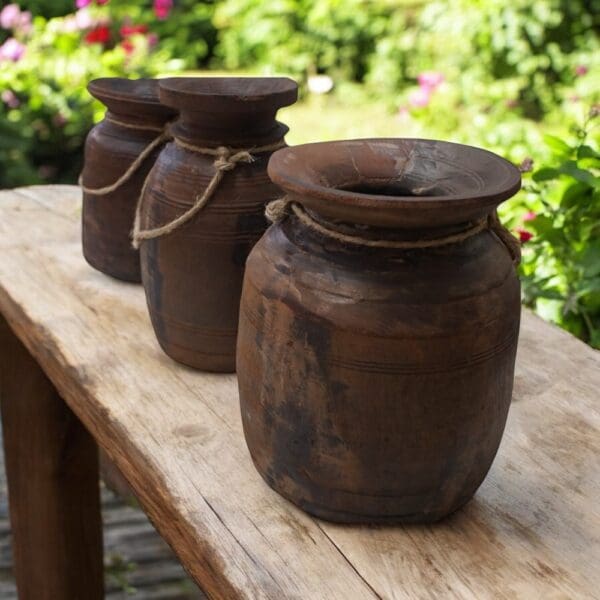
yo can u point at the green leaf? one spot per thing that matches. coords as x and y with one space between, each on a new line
545 174
587 152
587 177
558 146
595 339
574 194
591 260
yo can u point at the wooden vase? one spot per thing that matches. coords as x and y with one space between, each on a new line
134 119
375 381
193 275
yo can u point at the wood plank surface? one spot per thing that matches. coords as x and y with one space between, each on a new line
532 531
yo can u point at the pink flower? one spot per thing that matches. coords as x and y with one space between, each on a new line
82 3
403 114
529 216
430 80
524 235
24 25
83 19
11 50
162 8
152 39
419 98
10 99
10 16
580 70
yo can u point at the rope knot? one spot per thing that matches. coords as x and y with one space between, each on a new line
227 159
277 210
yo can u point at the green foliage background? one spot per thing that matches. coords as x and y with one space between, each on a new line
521 78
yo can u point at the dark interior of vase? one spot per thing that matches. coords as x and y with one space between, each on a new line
394 189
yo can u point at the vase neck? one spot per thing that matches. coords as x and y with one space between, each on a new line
391 234
142 121
239 130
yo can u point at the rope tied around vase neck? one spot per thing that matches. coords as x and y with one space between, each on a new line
226 159
163 137
278 210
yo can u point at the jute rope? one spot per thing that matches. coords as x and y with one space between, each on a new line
135 165
226 160
278 210
134 126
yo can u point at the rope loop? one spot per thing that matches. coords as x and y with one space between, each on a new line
133 167
278 210
226 159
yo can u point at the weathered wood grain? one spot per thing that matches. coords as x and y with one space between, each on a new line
52 471
533 529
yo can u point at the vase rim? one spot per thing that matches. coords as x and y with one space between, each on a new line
220 94
138 91
395 182
135 100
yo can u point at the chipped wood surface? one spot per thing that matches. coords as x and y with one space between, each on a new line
533 529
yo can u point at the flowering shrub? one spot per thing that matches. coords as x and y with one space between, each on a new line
45 65
495 74
557 217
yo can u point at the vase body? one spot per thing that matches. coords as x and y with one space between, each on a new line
193 276
134 119
375 382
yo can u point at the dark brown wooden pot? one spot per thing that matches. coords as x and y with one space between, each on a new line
193 276
375 381
134 119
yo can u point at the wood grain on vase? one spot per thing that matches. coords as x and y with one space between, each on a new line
193 276
375 382
134 119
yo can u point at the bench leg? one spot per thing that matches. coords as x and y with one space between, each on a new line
52 471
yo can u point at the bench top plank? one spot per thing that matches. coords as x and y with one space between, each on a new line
533 529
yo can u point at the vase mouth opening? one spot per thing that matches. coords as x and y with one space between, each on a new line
395 182
393 188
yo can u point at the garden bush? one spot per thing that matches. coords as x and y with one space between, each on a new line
45 64
557 216
509 75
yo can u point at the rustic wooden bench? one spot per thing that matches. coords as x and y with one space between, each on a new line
81 369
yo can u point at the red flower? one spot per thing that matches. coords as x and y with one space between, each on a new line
524 235
102 2
128 46
98 35
127 30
